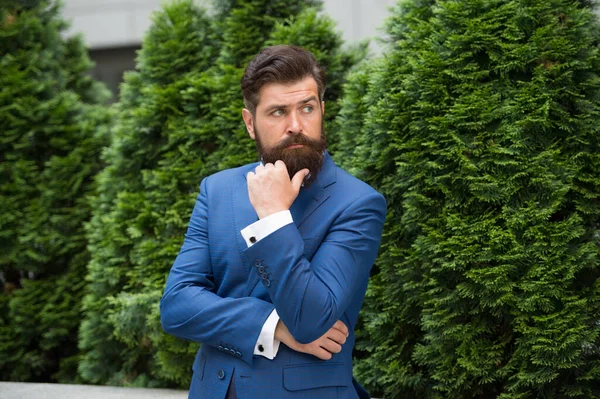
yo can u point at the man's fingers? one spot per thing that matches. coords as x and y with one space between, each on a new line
340 326
315 348
270 190
336 336
280 164
327 345
331 346
322 354
298 179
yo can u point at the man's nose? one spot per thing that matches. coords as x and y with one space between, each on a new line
294 123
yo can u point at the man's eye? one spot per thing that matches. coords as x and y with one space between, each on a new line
307 108
278 112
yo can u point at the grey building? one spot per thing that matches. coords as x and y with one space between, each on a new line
113 29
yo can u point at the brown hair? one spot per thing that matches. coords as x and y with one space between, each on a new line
279 64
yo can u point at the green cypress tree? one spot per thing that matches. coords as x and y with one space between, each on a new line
51 133
371 98
158 144
246 25
487 150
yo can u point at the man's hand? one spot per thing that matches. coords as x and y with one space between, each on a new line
271 190
323 347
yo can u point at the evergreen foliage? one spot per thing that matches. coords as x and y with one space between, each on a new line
51 130
174 126
158 144
486 145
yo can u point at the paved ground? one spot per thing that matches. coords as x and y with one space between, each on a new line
21 390
18 390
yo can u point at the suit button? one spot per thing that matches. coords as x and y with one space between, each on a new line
238 354
260 269
257 263
266 282
220 347
221 374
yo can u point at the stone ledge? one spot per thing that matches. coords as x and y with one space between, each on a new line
21 390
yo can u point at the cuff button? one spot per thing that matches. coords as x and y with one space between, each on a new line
252 239
261 348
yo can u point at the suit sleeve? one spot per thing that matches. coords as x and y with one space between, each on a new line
191 309
311 296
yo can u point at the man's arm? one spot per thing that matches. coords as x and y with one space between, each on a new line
189 307
274 331
311 296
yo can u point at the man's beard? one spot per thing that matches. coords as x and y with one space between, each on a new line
310 156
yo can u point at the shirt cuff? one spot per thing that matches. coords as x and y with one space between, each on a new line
263 227
267 345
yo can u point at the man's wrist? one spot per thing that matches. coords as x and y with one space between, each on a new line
263 213
282 334
267 344
264 227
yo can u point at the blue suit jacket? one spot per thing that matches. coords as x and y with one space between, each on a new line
314 272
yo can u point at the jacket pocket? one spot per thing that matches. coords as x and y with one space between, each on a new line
310 376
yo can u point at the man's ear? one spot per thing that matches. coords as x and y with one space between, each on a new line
322 108
247 116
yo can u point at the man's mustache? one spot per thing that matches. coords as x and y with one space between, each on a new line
297 139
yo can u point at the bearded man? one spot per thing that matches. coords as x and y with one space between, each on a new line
276 259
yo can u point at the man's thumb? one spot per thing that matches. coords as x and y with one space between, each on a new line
298 179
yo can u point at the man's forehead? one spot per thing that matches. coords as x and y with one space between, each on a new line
288 93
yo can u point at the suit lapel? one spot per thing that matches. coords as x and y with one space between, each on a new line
308 200
311 198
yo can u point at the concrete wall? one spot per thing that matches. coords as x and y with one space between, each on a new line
111 23
114 29
359 19
122 23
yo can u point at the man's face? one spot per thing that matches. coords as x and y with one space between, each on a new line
288 126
